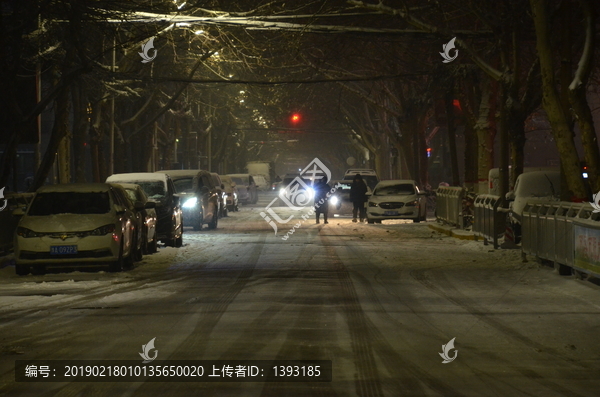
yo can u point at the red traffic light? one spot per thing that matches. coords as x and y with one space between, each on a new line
295 118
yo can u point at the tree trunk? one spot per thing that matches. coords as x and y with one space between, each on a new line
552 104
578 99
59 131
485 141
470 157
80 127
448 100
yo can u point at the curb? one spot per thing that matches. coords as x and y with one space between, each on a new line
460 234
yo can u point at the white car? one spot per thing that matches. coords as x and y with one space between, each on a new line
368 175
261 182
535 184
396 199
160 189
76 225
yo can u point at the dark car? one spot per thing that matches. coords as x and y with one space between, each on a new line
160 189
199 197
146 210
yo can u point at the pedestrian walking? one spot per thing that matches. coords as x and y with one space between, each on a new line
358 196
321 200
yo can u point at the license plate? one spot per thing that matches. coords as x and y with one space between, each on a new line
63 250
390 213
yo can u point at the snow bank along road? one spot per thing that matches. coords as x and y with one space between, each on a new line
379 301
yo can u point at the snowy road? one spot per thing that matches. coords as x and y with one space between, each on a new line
379 301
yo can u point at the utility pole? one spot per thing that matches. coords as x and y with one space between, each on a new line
210 150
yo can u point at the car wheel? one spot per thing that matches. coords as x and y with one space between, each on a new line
378 221
153 247
226 212
137 254
237 208
117 266
145 245
22 270
417 219
179 240
213 225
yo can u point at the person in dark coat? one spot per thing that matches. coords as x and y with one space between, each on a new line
358 196
321 200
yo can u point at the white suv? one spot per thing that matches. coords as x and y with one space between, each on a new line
368 175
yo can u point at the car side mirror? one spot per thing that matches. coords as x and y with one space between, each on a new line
510 196
222 186
119 209
150 204
139 206
175 200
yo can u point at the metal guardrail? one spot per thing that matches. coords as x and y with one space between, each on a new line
449 205
489 219
565 233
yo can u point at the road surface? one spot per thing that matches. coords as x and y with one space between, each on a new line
379 301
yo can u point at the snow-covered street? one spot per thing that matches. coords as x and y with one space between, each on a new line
379 301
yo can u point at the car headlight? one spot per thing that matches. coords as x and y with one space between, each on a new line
191 202
334 200
412 203
281 191
311 192
372 204
28 233
101 231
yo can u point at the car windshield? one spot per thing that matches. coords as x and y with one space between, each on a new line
392 190
370 180
183 185
240 181
54 203
131 195
154 189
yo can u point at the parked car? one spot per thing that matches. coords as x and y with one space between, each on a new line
160 189
231 193
199 197
75 225
368 175
535 184
396 199
147 212
220 189
261 182
246 188
8 220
